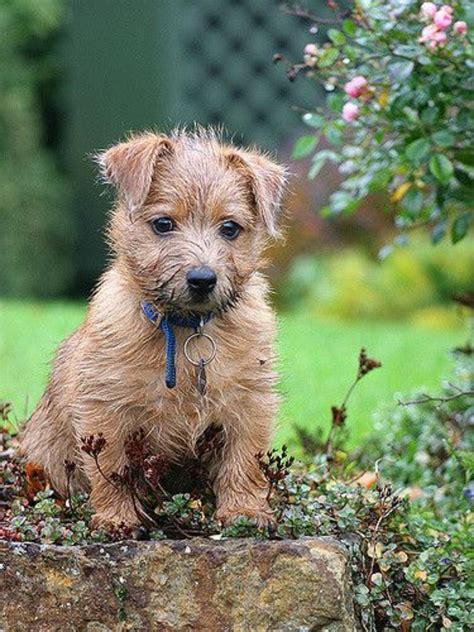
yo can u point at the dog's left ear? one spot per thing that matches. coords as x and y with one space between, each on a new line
130 166
267 181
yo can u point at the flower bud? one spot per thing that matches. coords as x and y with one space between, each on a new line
460 27
350 112
428 9
356 87
443 18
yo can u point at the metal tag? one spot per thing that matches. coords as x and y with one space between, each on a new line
201 377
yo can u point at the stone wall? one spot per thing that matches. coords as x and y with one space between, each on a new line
197 584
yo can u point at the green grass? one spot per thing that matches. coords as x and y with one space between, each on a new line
318 361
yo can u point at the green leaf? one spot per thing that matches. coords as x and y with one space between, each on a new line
439 231
429 115
333 134
325 212
411 114
464 178
319 160
336 37
379 135
464 193
328 57
407 50
443 138
349 27
466 156
313 120
417 150
303 147
461 226
413 201
401 70
343 202
442 168
385 251
380 180
334 102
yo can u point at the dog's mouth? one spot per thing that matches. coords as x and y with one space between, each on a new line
196 306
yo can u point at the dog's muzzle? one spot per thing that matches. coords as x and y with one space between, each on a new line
201 281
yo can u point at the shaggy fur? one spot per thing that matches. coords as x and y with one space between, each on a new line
109 376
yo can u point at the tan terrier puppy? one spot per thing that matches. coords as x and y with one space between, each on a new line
191 221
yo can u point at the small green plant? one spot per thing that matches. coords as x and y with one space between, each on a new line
402 504
398 80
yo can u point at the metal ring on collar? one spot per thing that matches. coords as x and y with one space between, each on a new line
201 360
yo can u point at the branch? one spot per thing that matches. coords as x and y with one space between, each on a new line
299 12
429 398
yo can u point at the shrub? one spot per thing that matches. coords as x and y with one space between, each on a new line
415 282
35 224
398 77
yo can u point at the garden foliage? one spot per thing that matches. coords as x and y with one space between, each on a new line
35 224
402 504
399 78
415 283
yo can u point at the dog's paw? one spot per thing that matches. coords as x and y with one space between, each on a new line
261 518
115 523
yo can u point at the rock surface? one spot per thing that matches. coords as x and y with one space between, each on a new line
197 584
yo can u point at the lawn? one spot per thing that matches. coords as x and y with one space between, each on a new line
318 361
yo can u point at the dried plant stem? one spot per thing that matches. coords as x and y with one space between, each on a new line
301 12
366 365
425 398
102 473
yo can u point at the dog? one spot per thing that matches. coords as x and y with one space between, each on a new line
179 334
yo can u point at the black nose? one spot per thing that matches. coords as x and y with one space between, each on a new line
201 280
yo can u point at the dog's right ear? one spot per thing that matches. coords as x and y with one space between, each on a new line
129 166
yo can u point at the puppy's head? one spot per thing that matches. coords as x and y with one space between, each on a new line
192 218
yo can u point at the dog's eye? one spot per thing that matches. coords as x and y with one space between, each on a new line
162 225
230 230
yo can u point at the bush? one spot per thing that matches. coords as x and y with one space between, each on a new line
402 505
398 75
35 223
416 283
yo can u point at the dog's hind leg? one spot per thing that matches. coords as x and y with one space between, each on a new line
48 440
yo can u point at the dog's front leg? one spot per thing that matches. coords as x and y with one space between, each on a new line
240 487
114 506
113 502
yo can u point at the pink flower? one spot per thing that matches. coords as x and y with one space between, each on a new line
350 112
440 37
311 49
460 27
443 17
433 37
310 55
428 33
356 87
428 9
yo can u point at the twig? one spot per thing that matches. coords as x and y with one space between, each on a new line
101 471
373 539
339 413
429 398
299 12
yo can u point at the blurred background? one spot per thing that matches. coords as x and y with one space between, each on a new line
77 75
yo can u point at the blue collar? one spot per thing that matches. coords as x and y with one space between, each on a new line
166 324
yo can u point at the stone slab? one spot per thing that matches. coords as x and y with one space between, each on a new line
196 584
